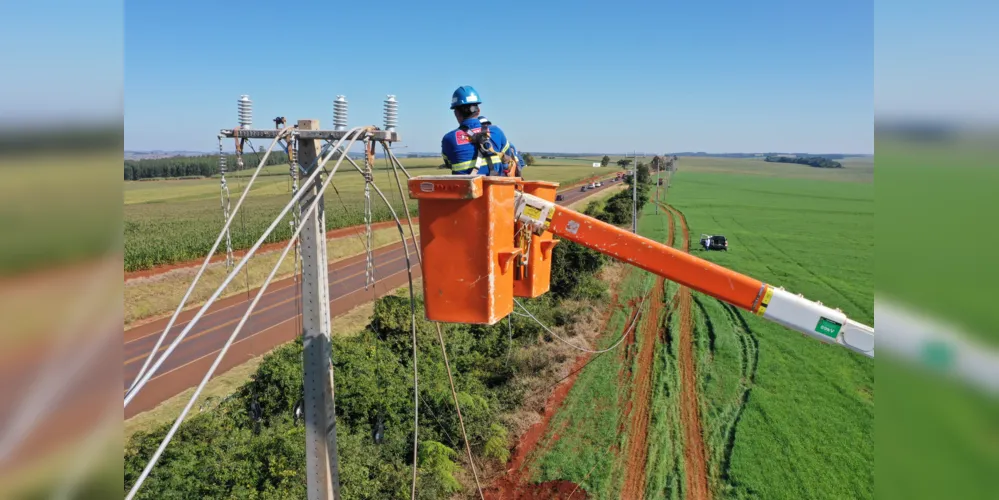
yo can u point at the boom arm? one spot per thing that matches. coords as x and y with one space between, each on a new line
775 304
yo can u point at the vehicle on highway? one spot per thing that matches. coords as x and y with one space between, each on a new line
716 242
559 197
582 189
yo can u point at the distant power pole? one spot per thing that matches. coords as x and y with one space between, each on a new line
634 195
658 180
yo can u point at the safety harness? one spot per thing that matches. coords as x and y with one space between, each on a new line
484 148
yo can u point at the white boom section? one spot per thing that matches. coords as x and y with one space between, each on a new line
817 321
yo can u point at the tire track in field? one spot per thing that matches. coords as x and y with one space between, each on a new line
694 450
815 275
637 450
750 354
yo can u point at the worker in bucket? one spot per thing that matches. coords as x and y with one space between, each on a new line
477 147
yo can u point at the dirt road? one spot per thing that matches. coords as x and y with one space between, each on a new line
694 452
636 452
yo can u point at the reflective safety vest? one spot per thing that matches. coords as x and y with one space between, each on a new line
464 156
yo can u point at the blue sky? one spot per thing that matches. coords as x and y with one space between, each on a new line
724 76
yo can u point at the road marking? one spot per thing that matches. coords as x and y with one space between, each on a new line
251 336
384 250
258 311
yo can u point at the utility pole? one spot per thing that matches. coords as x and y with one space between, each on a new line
659 169
634 195
321 467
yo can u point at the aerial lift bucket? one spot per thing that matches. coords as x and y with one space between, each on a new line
534 278
467 241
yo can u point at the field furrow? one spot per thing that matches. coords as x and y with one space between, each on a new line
694 452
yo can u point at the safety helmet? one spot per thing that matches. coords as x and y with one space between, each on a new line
464 95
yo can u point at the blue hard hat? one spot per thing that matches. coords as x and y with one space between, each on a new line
464 95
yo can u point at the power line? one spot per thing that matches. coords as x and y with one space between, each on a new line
314 205
148 375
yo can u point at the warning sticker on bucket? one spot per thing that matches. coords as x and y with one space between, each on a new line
427 187
532 212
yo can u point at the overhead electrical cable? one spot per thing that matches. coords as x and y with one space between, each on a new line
311 179
204 266
232 337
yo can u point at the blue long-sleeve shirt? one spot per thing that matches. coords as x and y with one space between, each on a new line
459 152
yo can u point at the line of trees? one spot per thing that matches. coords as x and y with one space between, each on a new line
618 208
813 161
193 166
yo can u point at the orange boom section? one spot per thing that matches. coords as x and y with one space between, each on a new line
466 234
724 284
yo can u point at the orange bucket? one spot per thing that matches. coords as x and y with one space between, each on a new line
534 279
466 236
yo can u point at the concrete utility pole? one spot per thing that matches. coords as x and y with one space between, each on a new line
634 195
659 170
321 467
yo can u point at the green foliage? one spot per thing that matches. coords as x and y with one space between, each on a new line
605 161
813 161
497 446
194 166
623 162
224 452
618 208
528 158
571 264
437 465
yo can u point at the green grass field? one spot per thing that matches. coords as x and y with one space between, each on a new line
783 416
168 221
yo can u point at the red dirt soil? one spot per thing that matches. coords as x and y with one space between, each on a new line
694 453
637 410
510 485
268 247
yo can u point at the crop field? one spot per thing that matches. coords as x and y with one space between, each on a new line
169 221
780 415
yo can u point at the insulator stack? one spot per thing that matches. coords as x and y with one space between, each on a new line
245 111
391 113
340 113
222 161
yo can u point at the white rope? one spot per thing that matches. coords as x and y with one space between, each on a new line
232 337
204 265
412 307
159 362
369 268
440 334
570 344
